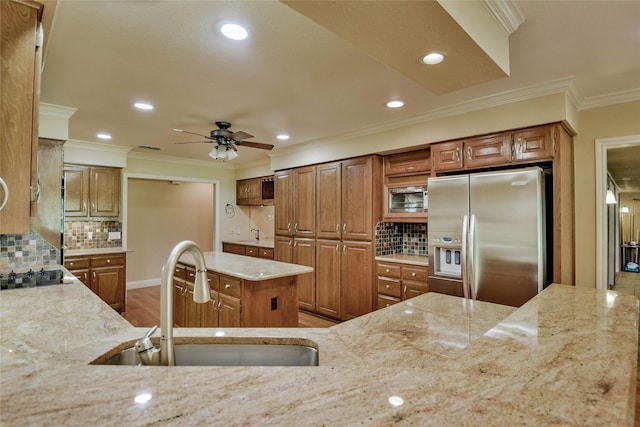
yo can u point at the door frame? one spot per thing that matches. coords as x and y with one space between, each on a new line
602 145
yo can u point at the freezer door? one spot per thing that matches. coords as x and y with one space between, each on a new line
506 249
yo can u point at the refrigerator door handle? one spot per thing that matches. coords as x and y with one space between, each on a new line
463 255
472 238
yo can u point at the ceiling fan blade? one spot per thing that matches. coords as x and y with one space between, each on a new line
255 145
192 133
233 147
193 142
240 135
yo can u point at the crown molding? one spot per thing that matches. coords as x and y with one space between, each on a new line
97 146
610 99
506 13
57 110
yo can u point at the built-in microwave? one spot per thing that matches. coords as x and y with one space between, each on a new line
408 199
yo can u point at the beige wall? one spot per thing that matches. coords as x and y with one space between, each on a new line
605 122
160 215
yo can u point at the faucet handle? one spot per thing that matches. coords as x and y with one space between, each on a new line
150 332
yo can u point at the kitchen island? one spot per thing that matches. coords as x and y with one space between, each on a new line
567 357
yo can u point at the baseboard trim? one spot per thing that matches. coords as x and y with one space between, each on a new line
143 283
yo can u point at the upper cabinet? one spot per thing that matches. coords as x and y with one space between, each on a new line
407 164
295 211
255 191
91 191
520 146
20 60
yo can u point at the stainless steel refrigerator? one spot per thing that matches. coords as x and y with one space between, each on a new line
487 235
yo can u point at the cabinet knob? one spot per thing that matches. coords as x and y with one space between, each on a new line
108 261
413 274
388 270
388 286
71 263
227 286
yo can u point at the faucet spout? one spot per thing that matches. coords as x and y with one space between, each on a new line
257 233
200 295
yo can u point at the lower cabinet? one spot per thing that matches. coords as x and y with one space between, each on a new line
105 275
234 302
300 251
248 250
344 280
398 282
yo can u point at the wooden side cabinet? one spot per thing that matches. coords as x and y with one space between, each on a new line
398 282
105 275
91 191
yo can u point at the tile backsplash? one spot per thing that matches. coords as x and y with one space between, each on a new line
401 238
91 234
23 252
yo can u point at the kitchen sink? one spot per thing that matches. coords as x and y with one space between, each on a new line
226 354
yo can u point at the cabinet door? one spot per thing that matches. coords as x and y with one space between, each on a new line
413 289
109 284
357 279
304 198
490 150
209 312
328 259
192 310
405 164
357 199
447 156
179 302
230 312
283 204
283 248
329 201
534 144
104 193
83 276
242 191
233 248
76 190
252 251
304 253
19 82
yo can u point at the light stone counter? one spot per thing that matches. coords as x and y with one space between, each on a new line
96 251
247 268
568 357
262 243
405 259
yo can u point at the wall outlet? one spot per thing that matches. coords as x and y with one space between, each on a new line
115 235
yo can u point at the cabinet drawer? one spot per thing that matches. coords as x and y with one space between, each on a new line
388 270
180 272
411 290
214 280
266 253
233 248
231 286
386 301
419 274
411 163
389 287
190 275
252 251
76 263
108 260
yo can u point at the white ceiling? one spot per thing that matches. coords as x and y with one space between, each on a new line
293 75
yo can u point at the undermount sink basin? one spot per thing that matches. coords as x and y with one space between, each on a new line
227 354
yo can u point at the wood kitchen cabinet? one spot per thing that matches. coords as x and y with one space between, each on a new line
488 150
300 251
91 191
248 250
248 191
104 274
447 156
398 282
295 208
407 164
20 61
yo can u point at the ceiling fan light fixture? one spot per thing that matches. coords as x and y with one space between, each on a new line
214 152
234 31
433 58
231 154
611 198
222 152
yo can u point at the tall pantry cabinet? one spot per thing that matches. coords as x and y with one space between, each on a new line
347 207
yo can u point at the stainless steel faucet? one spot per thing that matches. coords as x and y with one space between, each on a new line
165 355
257 233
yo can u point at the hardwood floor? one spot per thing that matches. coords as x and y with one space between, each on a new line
143 310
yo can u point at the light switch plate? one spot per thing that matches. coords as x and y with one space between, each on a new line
114 235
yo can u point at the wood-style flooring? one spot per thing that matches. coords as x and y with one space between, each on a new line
143 310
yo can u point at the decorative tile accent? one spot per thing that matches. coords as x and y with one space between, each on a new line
23 252
91 234
401 238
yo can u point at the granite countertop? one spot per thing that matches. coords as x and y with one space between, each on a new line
405 259
431 360
247 268
262 243
96 251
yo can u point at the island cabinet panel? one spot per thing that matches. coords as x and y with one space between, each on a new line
104 274
20 61
270 303
488 150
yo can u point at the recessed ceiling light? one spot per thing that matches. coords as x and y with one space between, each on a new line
103 136
282 137
234 31
433 58
143 106
395 104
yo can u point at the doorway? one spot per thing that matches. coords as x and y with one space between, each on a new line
158 213
603 247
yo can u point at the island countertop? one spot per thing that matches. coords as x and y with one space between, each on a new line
247 268
567 357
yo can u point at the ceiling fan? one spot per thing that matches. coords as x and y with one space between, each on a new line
227 142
